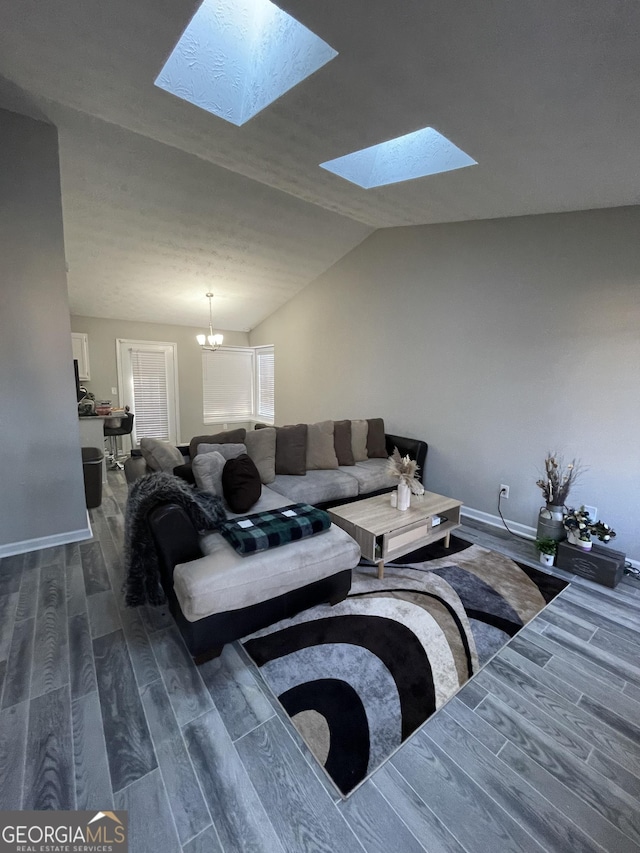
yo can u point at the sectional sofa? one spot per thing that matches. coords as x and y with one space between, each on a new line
215 594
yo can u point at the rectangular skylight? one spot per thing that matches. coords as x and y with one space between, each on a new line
238 56
415 155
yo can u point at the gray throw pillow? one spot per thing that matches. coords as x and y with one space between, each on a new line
207 469
342 442
376 443
291 449
261 448
227 451
160 455
321 454
359 431
228 436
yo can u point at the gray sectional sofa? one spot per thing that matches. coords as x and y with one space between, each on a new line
215 594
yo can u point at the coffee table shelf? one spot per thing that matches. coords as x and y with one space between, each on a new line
385 533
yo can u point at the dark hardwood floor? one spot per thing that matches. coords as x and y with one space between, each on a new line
102 708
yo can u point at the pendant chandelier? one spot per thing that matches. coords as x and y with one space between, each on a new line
209 342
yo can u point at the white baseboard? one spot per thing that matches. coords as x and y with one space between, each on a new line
46 541
496 521
521 529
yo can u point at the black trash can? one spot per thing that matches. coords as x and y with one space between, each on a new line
92 470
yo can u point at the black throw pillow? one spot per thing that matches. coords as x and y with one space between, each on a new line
241 484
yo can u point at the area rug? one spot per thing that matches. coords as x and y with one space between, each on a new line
359 678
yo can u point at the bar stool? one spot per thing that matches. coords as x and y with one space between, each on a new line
112 433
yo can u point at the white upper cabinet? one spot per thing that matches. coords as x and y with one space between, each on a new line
80 345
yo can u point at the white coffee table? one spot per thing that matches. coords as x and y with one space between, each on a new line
385 533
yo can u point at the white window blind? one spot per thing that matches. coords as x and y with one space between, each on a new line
150 393
227 385
265 396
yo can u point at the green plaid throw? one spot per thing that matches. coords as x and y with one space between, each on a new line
273 528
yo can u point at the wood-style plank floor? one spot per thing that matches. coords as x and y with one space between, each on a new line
102 708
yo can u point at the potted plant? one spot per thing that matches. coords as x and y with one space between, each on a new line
405 470
547 548
580 528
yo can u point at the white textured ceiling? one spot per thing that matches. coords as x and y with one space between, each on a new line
163 201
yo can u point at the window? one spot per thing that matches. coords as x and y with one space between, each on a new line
147 374
265 396
237 384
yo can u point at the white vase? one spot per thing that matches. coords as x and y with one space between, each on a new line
546 559
404 496
572 537
584 544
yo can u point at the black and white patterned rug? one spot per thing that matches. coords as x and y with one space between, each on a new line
357 679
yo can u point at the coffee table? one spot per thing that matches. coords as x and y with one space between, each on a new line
385 533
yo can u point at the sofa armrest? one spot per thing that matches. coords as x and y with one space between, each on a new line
412 447
176 541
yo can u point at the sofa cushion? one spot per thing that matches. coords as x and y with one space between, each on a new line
223 580
342 442
228 436
207 469
321 454
291 450
359 431
227 451
376 443
261 447
370 475
241 484
316 487
185 472
160 455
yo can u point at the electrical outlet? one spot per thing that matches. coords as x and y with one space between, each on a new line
504 491
593 512
114 391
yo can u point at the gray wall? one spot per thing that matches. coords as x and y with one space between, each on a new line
42 494
104 375
494 341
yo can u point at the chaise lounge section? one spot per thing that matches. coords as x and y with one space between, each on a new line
216 595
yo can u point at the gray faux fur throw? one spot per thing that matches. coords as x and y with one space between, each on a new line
142 575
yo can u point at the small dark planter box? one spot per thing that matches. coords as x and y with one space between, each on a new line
600 564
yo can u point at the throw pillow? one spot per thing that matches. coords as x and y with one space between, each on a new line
261 448
207 469
291 449
241 484
342 442
376 443
229 436
359 431
160 455
228 451
320 451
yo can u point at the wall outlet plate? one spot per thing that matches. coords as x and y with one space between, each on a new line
593 512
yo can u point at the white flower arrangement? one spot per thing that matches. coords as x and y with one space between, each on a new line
405 469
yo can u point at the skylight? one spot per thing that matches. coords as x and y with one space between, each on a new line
238 56
423 152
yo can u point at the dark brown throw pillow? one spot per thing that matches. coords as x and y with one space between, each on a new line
229 436
342 442
291 449
376 445
241 484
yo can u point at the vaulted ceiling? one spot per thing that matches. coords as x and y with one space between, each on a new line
163 201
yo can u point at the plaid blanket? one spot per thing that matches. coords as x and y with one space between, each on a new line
275 527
